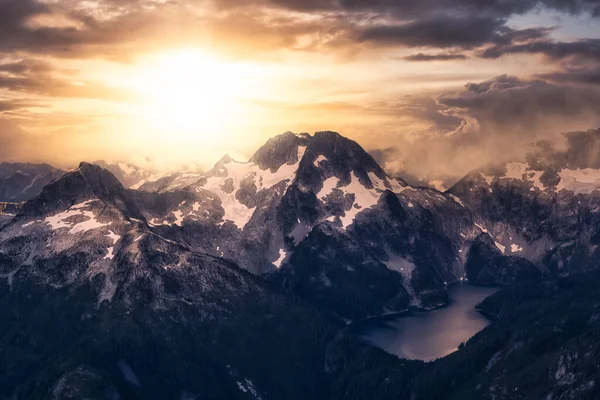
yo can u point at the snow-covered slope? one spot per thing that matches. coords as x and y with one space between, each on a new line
545 212
98 290
318 214
574 180
131 175
260 213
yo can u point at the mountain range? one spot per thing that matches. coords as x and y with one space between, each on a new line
240 282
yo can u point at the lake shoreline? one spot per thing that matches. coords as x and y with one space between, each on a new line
410 309
427 334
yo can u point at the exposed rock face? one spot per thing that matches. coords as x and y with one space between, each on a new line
543 345
318 215
20 182
552 223
198 290
260 213
103 306
487 265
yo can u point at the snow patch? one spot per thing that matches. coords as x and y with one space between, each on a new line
456 199
282 255
157 222
115 238
579 181
405 268
178 217
397 186
248 387
500 247
237 172
515 170
376 181
489 179
319 159
363 198
59 220
328 185
515 248
126 168
152 178
482 228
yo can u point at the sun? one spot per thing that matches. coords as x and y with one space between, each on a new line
189 92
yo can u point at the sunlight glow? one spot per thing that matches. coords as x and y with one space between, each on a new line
189 93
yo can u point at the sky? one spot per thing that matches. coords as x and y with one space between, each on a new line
432 88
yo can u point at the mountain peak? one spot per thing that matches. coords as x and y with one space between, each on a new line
86 166
335 155
282 149
226 159
330 135
86 182
99 179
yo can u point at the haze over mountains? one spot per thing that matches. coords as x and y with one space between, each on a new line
196 287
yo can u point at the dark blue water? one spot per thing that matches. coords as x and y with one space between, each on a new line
427 335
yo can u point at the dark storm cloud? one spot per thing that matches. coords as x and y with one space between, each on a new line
246 28
584 49
490 121
383 155
416 9
429 23
98 28
294 5
507 101
117 30
14 12
435 57
441 32
586 76
579 149
429 111
448 31
14 15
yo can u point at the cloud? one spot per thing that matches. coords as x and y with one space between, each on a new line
524 106
72 28
486 122
583 75
441 136
15 142
39 77
581 49
435 57
580 149
411 9
7 106
441 32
